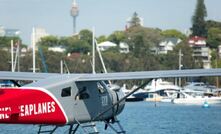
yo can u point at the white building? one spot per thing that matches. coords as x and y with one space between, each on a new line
37 34
124 48
200 51
2 31
106 45
9 32
167 45
57 49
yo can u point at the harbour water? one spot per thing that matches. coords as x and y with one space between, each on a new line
145 118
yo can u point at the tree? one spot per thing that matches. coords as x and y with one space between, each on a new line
49 41
135 20
188 60
5 64
212 23
6 41
117 37
214 37
214 33
198 20
79 46
173 33
86 35
141 40
101 38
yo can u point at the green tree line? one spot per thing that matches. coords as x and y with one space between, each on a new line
141 41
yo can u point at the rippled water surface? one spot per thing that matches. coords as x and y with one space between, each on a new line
145 118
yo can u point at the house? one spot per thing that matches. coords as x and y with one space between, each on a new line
106 45
124 48
200 51
167 45
59 49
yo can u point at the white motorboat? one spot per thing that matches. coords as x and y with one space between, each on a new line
159 90
200 86
139 95
185 98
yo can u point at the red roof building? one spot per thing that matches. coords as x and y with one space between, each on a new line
200 51
197 41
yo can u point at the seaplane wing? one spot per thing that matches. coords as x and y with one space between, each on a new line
150 74
4 75
112 76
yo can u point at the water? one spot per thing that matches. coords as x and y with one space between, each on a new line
145 118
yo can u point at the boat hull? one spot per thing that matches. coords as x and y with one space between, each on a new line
200 101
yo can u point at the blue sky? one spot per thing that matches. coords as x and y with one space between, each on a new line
105 15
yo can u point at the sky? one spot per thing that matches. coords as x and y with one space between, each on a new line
106 16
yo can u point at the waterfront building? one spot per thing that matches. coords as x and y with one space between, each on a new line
200 51
9 32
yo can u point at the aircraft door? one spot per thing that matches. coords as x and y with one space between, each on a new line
86 101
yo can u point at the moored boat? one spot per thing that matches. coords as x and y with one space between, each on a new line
185 98
160 90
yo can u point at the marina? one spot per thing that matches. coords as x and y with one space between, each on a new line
159 90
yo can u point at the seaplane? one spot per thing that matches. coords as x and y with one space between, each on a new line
74 99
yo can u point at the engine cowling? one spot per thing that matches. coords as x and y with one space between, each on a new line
117 95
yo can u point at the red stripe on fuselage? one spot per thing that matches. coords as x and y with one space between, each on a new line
29 106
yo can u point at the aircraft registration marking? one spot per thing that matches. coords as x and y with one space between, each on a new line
104 101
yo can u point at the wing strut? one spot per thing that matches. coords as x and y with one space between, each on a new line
122 99
15 83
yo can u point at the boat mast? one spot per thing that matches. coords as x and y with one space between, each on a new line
93 51
180 64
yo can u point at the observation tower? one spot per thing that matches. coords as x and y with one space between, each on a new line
74 14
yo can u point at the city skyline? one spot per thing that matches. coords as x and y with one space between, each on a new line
106 16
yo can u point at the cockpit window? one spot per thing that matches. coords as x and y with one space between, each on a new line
101 87
82 94
66 92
